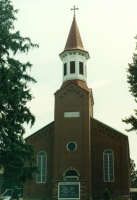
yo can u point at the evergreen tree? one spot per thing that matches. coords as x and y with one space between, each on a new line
106 195
133 174
14 95
132 80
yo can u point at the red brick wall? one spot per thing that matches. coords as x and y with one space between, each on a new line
70 99
43 141
92 138
102 138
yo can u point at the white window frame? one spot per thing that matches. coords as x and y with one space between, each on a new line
41 158
110 158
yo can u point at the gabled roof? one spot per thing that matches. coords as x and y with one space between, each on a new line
80 83
39 130
109 127
73 82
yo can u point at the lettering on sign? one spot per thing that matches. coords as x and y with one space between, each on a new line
71 114
67 190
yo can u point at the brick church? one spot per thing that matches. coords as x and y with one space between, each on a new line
78 156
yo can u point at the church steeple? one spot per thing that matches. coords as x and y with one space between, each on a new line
74 40
74 56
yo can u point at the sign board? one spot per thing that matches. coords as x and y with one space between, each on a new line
71 114
68 190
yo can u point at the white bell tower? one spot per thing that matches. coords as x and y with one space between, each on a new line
74 56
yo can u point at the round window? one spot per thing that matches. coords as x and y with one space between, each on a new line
71 146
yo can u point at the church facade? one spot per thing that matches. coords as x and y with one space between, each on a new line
78 156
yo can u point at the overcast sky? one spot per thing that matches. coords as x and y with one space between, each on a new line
107 28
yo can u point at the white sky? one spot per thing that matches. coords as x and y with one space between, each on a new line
107 28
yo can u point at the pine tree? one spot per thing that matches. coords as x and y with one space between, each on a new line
14 95
133 174
132 80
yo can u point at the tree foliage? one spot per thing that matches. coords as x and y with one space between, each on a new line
133 174
132 80
14 95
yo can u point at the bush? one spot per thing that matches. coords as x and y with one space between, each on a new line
106 195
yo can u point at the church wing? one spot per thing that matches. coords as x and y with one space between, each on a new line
109 158
42 140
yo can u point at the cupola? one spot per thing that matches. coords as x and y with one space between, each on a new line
74 56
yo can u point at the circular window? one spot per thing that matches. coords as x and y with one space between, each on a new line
71 146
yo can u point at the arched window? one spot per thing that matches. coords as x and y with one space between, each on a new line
71 174
108 165
42 166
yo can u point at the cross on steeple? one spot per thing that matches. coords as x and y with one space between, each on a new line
74 9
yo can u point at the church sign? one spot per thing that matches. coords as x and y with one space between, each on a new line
68 190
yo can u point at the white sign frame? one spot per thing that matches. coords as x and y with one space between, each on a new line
65 184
